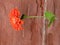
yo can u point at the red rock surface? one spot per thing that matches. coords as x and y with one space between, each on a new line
54 30
33 27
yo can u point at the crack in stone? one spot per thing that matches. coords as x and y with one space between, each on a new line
41 5
37 7
54 6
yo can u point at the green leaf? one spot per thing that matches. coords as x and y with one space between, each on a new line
50 17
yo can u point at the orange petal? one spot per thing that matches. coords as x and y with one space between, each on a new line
15 12
15 21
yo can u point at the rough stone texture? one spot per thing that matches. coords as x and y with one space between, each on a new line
33 27
53 33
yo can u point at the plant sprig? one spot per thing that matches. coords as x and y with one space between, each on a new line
50 17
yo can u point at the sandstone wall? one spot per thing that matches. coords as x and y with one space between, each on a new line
33 27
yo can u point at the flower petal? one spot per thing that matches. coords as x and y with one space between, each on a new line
15 21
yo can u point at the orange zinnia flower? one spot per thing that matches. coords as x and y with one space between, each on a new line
15 21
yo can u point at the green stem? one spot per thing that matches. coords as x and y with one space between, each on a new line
25 16
34 16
